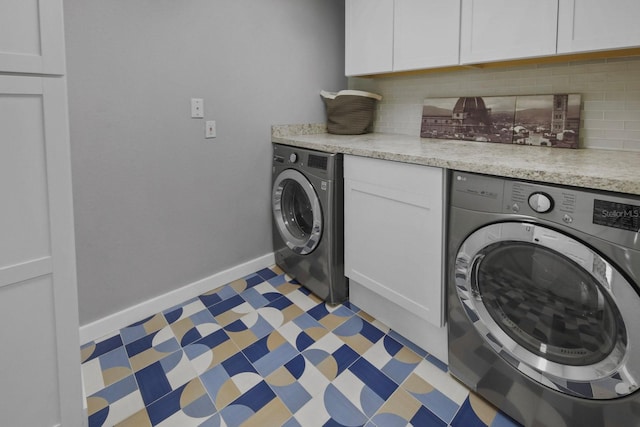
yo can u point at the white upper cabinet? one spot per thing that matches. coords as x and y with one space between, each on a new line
590 25
32 36
399 35
368 36
496 30
426 34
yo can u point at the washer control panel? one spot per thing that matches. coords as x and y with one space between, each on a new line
552 203
609 216
624 216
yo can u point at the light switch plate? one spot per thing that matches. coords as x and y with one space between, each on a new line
210 129
197 108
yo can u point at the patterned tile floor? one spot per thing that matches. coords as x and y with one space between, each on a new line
263 351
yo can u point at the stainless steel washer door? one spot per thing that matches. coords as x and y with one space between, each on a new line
552 307
297 212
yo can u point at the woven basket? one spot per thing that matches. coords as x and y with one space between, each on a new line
350 112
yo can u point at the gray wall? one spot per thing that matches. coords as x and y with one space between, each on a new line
156 205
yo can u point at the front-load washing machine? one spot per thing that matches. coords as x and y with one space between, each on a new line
543 300
308 227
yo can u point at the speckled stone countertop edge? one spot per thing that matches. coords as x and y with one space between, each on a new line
607 170
299 129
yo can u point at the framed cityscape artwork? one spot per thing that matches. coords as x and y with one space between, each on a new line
542 120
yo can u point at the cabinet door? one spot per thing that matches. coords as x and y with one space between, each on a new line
40 364
31 36
495 30
394 233
426 34
368 36
589 25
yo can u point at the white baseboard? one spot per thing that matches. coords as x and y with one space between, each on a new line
119 320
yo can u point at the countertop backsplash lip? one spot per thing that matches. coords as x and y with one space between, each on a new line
608 170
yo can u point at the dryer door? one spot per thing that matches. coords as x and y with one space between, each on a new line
297 212
552 307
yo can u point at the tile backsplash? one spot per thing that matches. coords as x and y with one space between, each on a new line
610 89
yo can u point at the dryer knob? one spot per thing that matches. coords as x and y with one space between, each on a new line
293 157
540 202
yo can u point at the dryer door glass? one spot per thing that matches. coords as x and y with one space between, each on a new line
296 211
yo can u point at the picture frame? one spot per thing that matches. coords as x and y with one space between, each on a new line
540 120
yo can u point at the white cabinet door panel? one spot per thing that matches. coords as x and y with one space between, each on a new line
38 292
32 36
495 30
426 34
40 364
368 36
590 25
394 233
28 367
24 218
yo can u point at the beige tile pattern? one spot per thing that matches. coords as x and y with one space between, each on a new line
400 403
139 419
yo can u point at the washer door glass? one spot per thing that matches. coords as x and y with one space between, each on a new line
552 308
547 303
296 210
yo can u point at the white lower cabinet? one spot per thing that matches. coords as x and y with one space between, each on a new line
394 234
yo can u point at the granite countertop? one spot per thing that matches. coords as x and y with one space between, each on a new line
597 169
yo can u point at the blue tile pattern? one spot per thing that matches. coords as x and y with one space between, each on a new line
263 350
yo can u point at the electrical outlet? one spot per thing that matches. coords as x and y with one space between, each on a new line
197 108
210 129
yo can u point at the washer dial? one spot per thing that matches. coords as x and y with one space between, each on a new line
540 202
